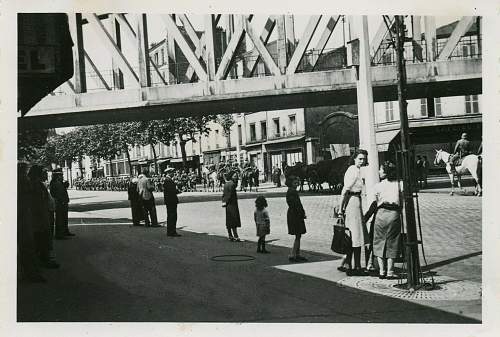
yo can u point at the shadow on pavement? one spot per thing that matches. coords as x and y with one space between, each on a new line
449 261
114 273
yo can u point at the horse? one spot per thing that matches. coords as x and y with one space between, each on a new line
469 163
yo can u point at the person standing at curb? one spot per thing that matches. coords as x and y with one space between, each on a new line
387 224
351 207
262 222
230 202
60 194
295 217
170 192
135 202
145 188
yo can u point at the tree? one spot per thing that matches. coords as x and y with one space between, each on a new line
186 127
103 142
226 121
31 143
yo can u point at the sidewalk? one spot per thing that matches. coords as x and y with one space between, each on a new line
121 273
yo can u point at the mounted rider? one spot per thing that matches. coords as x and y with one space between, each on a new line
462 149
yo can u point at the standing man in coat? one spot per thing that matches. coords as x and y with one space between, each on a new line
170 192
60 194
145 188
230 202
135 202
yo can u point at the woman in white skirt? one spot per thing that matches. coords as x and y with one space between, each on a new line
351 207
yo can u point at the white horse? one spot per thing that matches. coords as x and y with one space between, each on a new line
469 163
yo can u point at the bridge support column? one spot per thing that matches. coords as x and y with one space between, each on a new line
367 139
430 38
115 32
79 54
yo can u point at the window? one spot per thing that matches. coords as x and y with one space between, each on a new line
437 106
156 58
240 136
217 139
423 107
261 69
471 104
253 135
389 111
163 56
276 122
292 125
229 139
263 130
293 157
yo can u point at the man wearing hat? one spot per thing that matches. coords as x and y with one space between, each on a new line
170 192
462 149
60 195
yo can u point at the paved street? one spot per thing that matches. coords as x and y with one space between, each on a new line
115 272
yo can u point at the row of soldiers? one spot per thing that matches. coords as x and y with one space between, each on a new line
186 181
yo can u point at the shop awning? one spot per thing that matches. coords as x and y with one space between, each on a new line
161 161
284 140
384 138
179 160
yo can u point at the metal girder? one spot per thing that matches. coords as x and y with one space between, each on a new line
265 35
103 81
323 40
174 32
143 50
230 52
209 44
462 27
381 35
75 22
155 67
259 45
110 44
200 50
303 43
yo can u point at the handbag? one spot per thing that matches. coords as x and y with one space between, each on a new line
341 241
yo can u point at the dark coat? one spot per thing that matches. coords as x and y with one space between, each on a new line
133 195
59 192
296 214
40 207
232 211
170 192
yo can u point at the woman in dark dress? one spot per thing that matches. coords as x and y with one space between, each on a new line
230 202
295 217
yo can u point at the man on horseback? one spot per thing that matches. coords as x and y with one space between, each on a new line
462 149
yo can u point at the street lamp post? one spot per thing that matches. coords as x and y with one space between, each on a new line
412 259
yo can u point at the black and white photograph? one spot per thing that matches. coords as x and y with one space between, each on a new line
219 165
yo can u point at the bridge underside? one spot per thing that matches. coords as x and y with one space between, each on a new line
302 90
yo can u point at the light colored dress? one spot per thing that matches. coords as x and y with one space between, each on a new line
353 182
387 226
262 222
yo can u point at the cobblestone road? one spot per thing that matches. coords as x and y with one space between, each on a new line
451 225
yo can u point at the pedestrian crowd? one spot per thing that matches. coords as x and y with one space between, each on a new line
42 213
378 230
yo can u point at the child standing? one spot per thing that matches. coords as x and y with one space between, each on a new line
295 217
262 222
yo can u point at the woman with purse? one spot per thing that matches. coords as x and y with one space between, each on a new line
387 222
351 207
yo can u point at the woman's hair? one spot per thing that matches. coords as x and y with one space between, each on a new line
357 152
289 180
260 202
390 171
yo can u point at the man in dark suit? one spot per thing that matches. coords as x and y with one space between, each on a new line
170 192
60 194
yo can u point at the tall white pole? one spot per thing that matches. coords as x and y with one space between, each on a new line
366 119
